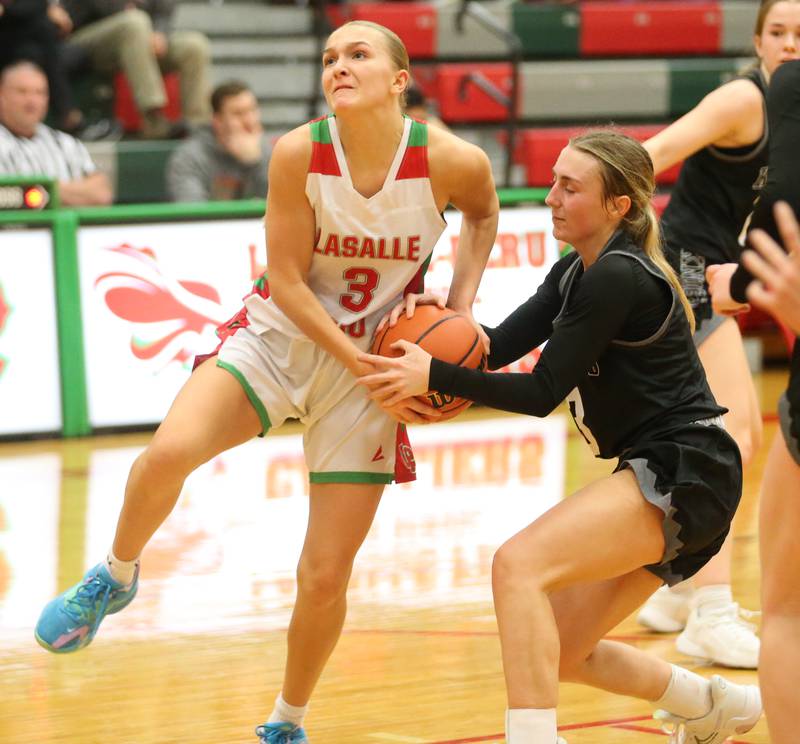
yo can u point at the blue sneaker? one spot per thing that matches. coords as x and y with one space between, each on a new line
70 621
281 733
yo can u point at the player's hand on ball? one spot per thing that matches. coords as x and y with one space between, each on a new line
407 306
397 378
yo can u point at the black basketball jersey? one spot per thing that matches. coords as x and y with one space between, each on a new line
639 388
714 195
632 378
783 177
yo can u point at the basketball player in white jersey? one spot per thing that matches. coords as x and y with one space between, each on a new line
353 213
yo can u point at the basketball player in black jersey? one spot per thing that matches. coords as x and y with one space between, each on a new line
778 290
619 348
724 141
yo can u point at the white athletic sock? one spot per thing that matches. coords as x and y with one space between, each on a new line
285 712
712 597
121 571
687 695
531 726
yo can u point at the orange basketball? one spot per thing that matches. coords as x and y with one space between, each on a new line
444 334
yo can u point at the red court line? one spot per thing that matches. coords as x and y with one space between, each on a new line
485 633
569 727
647 730
640 729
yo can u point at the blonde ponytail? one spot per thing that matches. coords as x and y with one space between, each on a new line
626 169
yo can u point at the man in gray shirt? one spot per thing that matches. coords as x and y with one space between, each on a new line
229 158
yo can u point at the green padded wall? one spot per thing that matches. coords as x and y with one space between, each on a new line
691 79
140 171
547 30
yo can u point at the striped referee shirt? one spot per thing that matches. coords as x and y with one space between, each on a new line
48 153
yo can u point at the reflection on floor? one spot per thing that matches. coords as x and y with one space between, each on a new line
198 656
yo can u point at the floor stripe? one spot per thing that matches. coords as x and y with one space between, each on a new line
628 638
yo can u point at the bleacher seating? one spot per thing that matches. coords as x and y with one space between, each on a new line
638 63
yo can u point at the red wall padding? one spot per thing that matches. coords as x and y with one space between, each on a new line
659 27
474 105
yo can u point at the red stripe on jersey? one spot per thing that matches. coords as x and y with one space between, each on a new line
415 164
323 160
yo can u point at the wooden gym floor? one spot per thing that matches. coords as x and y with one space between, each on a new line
198 656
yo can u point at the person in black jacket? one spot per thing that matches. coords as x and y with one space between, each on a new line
619 348
31 30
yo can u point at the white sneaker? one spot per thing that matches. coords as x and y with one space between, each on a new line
721 636
735 709
667 610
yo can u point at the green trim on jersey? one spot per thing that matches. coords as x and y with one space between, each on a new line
266 424
351 477
418 136
321 132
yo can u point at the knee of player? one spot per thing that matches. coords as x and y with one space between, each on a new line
165 459
323 581
515 569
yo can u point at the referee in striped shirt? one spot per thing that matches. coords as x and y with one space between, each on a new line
30 147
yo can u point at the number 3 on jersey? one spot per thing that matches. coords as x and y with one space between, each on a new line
361 283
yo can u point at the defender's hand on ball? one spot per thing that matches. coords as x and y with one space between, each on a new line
398 378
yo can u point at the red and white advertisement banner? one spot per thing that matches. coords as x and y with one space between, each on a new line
226 558
153 294
30 396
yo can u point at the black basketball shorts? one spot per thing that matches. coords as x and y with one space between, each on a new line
694 476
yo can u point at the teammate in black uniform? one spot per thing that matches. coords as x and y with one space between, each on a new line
778 290
724 140
620 349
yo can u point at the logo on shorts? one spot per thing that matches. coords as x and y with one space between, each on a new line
594 370
378 454
5 311
167 315
407 457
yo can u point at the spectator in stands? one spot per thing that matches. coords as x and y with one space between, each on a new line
226 160
135 36
31 30
418 107
29 147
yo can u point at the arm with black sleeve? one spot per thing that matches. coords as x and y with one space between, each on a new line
600 304
783 177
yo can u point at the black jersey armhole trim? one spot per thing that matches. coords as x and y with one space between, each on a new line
662 329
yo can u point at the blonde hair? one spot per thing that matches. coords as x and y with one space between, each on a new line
627 170
394 46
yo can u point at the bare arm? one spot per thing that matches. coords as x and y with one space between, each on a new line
730 116
463 173
92 190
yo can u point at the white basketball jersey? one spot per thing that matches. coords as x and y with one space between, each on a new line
368 252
